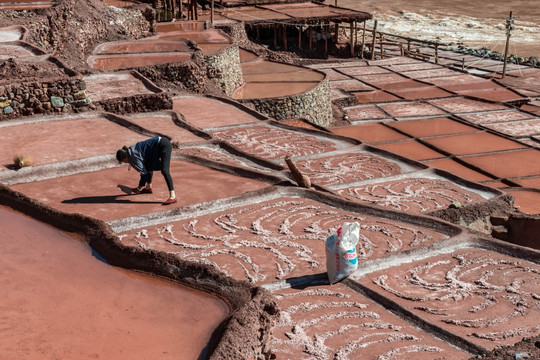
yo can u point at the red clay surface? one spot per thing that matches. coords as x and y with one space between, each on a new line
163 123
526 199
23 5
97 195
416 195
334 322
113 85
515 163
266 79
460 105
10 33
410 109
348 167
276 239
483 143
517 128
13 51
497 116
128 61
273 143
350 85
366 112
458 169
147 46
421 93
411 149
206 112
60 302
485 297
371 133
375 96
63 138
432 127
210 41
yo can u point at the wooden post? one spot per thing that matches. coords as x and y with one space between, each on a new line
381 39
409 45
300 38
373 40
401 50
212 12
463 64
352 38
310 38
509 27
325 34
337 32
181 9
363 41
355 34
364 33
301 179
437 54
284 30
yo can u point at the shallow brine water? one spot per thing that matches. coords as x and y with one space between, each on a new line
59 302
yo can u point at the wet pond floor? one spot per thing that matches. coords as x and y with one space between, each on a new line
59 301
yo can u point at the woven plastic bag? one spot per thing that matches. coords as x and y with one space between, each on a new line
341 257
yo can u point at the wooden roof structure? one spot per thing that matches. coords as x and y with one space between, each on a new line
290 13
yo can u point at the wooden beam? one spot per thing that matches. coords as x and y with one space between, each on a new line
300 38
352 38
373 40
212 12
310 38
284 30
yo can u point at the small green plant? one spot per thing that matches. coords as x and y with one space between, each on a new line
22 160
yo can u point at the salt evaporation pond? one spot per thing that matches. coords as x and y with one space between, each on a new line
58 301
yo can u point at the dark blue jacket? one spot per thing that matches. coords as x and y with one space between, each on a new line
144 155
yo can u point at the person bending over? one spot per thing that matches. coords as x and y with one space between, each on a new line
146 157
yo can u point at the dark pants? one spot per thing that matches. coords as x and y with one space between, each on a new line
164 153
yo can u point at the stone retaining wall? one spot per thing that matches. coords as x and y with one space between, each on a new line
190 75
225 69
38 97
314 105
135 104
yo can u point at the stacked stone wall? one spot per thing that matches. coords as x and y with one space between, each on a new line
225 69
42 97
190 75
136 104
315 106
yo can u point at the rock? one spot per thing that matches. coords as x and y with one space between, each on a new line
5 103
8 110
80 95
57 102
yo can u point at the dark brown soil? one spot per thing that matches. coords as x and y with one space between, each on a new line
20 70
71 29
528 348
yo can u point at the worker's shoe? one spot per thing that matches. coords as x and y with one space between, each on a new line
170 201
142 191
